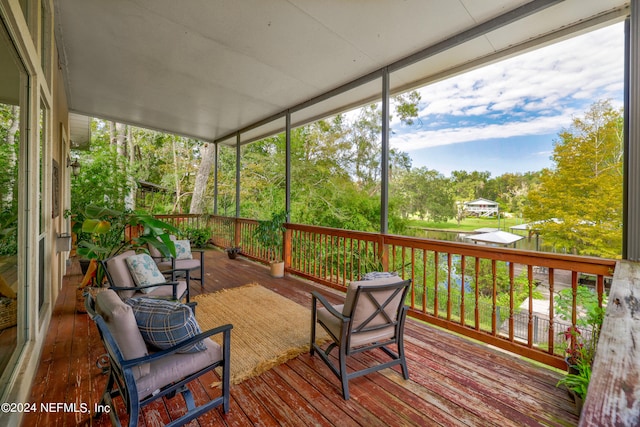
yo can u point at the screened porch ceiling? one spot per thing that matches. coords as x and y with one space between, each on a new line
208 69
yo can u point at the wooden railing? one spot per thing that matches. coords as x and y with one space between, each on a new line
492 279
614 389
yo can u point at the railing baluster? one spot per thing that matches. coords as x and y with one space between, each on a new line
341 255
511 300
436 294
413 278
494 299
477 293
449 286
530 334
552 332
424 280
462 290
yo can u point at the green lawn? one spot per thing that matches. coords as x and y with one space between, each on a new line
468 224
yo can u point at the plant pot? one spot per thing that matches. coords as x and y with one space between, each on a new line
93 290
84 265
277 269
571 368
578 401
80 307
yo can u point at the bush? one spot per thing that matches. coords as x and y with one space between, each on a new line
199 237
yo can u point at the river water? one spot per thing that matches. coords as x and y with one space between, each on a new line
528 243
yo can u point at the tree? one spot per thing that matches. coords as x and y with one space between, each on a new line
583 192
202 175
426 193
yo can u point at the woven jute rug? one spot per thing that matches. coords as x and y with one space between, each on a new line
268 329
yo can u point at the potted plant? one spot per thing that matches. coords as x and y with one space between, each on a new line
269 235
581 340
578 383
104 235
233 251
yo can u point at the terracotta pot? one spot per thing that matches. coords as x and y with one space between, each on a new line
80 308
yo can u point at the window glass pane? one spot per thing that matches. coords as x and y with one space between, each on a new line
12 91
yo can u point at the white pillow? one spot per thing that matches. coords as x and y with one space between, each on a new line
144 271
183 249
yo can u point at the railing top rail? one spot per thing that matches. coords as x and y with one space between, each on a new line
362 235
584 264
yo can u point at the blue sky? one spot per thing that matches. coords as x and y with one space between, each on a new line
505 117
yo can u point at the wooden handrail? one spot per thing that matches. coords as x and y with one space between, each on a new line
613 397
438 269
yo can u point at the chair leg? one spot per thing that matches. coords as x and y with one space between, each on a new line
400 335
313 328
403 361
226 373
202 270
344 378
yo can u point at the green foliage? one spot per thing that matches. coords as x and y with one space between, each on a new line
580 342
268 234
406 106
8 232
424 193
503 281
101 181
9 155
106 227
579 382
583 192
198 236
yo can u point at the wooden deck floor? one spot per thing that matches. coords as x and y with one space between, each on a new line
454 382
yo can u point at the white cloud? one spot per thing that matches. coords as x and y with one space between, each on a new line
533 94
432 138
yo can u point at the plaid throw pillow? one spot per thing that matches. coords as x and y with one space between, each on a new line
164 324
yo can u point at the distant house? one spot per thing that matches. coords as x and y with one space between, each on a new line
481 207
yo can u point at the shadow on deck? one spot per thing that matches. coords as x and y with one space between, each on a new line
454 382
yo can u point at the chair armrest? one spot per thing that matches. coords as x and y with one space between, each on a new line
224 329
134 288
318 297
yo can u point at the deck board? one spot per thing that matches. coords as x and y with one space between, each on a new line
454 381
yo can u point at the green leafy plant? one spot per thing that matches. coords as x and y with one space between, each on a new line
268 235
581 340
105 234
199 237
8 233
578 382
